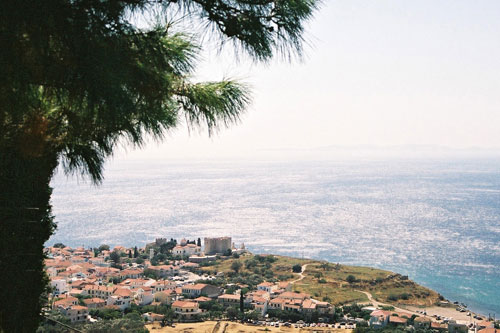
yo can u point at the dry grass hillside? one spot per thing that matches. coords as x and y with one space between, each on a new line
338 284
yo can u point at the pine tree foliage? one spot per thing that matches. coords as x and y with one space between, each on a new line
76 77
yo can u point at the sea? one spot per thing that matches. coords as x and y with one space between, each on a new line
435 220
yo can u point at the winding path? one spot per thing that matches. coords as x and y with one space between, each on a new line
379 304
369 295
302 276
372 300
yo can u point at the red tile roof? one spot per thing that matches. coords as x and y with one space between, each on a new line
397 320
229 297
198 286
94 300
489 330
184 304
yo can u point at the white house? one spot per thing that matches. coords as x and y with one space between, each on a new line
51 271
98 291
379 318
186 251
121 298
199 289
267 286
162 285
186 309
144 296
59 285
75 313
133 284
164 270
151 317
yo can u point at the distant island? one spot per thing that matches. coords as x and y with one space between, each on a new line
168 282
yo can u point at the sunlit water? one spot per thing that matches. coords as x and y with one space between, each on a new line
437 221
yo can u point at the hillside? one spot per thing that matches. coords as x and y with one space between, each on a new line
338 284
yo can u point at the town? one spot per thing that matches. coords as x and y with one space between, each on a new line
168 282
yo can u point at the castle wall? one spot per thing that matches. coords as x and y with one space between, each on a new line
217 244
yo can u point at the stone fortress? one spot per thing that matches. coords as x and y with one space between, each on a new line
217 245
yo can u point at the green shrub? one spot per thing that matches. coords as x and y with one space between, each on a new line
351 278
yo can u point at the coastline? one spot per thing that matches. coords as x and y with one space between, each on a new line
472 305
170 276
442 311
374 222
433 310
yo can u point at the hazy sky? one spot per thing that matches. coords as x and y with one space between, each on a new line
380 72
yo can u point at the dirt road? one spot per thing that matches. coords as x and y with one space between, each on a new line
302 276
379 304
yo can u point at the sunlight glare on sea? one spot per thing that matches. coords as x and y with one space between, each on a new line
437 221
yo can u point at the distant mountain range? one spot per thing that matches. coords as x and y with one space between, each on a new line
374 151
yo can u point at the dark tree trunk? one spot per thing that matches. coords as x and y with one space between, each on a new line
242 307
25 225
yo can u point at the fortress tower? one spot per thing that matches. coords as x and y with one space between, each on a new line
217 244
